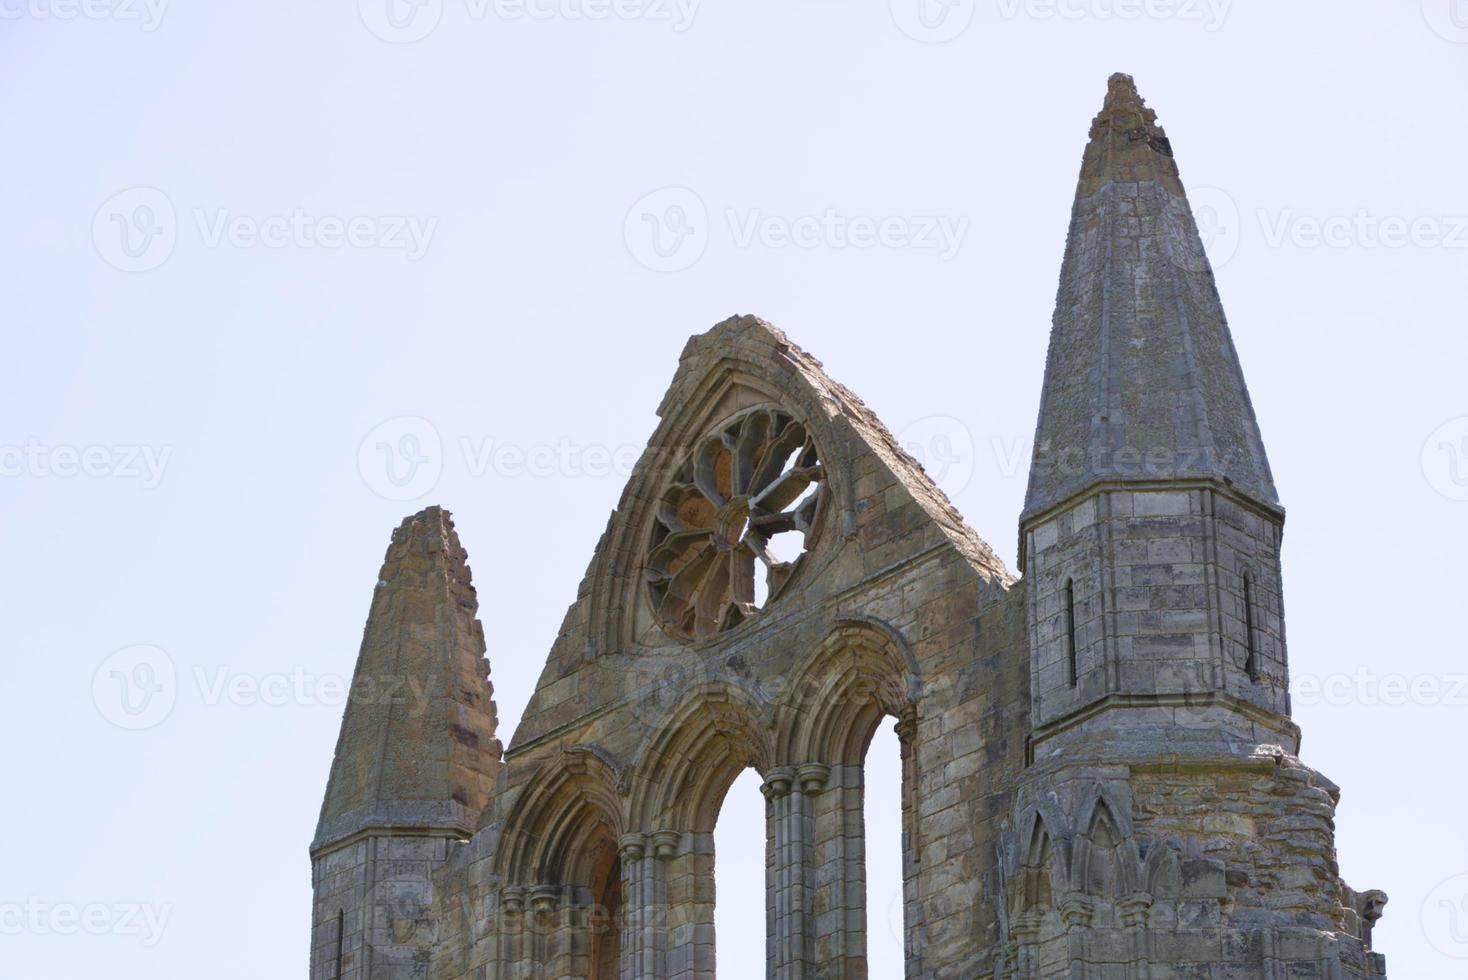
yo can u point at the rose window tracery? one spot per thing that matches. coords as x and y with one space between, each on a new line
734 524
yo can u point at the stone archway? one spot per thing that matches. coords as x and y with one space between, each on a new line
678 786
559 859
836 699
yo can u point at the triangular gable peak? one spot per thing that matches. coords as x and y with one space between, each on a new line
689 560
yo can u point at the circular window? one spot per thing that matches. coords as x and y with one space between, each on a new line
734 524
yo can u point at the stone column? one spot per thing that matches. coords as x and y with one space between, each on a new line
645 903
511 932
1024 933
544 911
789 790
1132 912
635 962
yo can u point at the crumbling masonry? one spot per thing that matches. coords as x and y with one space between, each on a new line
1099 767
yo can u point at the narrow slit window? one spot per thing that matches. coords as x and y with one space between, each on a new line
1070 631
1251 660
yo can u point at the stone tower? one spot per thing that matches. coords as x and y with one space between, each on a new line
1162 754
415 764
1099 768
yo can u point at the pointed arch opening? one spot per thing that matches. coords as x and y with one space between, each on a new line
689 790
858 817
741 855
882 850
559 860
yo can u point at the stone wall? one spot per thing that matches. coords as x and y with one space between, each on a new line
1155 582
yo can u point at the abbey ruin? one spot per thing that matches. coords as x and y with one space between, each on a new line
1100 771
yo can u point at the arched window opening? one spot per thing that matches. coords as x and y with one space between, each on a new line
1039 887
739 880
883 849
1102 875
1070 631
1251 659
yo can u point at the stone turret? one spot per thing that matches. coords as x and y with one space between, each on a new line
1151 530
1164 822
415 763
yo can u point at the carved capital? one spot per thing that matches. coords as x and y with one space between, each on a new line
631 847
778 782
1025 927
1077 910
512 899
665 844
1134 908
813 777
545 898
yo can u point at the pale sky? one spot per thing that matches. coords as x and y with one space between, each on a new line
243 237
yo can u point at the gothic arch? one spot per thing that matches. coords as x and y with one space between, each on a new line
564 827
1106 862
1042 872
839 693
695 752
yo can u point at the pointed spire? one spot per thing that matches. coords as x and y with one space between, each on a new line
1142 381
417 750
